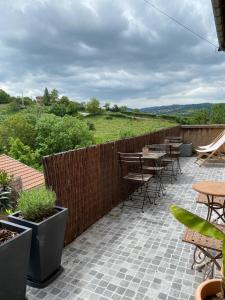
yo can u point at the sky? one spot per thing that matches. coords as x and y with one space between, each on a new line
120 51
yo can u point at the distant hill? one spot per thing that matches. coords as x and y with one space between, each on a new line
176 108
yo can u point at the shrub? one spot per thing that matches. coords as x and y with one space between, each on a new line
36 204
23 153
91 126
56 134
6 196
5 179
108 117
126 133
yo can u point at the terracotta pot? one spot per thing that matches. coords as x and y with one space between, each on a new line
208 288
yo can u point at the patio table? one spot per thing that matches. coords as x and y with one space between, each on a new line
212 190
154 155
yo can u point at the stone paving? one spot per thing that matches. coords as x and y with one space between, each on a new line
133 255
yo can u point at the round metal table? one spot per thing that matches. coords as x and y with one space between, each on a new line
212 189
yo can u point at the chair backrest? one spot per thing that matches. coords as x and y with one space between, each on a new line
174 139
219 143
216 139
130 162
160 148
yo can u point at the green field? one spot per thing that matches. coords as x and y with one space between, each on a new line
109 130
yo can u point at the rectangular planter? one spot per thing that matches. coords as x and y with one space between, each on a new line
46 247
14 261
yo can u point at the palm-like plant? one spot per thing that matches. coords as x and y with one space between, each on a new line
203 227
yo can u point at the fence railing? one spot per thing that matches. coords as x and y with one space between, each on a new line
200 134
87 181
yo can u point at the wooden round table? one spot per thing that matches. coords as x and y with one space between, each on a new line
212 189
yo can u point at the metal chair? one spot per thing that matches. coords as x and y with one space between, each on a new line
154 167
207 251
131 165
168 162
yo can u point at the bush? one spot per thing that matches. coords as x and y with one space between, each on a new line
6 199
36 204
108 117
23 153
17 126
91 126
126 133
5 179
56 134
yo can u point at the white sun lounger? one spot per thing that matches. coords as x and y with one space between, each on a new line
212 151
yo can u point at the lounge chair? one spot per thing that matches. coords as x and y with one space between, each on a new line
212 151
214 141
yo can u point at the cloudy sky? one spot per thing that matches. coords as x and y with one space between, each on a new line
121 51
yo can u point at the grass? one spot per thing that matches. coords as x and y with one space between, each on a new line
110 130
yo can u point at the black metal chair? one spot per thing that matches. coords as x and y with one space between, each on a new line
168 162
154 167
131 165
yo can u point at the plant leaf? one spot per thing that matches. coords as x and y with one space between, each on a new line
196 223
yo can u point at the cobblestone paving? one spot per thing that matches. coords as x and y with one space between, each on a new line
133 255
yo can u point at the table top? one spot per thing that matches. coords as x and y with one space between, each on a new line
154 155
213 188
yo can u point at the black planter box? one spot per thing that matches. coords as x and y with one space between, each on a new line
14 262
46 247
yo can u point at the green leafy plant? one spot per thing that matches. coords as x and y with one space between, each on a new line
203 227
5 179
36 204
6 192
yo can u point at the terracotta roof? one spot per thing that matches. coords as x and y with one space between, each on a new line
30 177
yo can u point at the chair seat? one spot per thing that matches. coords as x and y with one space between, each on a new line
138 177
200 240
153 168
168 160
202 199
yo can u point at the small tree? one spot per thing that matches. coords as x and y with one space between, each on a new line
64 100
18 126
115 108
23 153
107 106
123 109
136 111
58 109
218 114
200 117
4 97
56 134
46 97
72 108
54 96
93 106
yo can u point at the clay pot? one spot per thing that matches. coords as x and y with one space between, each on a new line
208 288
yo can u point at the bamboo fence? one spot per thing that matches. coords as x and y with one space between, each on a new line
87 181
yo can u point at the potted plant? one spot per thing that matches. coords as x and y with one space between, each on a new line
214 288
37 210
15 241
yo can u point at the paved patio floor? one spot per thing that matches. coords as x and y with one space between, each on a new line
133 255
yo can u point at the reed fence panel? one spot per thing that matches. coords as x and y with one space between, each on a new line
87 181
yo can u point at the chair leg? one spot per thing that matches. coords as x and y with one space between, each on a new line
179 167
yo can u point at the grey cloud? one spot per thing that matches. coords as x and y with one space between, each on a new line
119 50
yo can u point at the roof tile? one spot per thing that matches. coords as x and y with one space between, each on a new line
30 177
